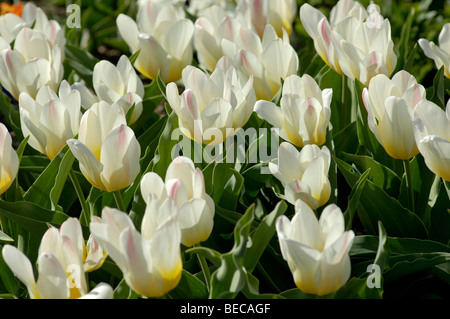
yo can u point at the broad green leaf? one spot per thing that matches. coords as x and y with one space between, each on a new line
123 291
356 288
383 251
11 115
261 237
191 286
227 185
354 199
210 254
82 61
376 205
346 140
61 177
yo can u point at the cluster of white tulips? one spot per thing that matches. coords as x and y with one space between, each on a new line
244 59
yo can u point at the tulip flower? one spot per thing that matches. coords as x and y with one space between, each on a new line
9 161
61 265
164 38
212 107
432 133
114 84
50 119
198 8
390 105
150 261
186 185
32 64
268 61
106 148
355 42
439 53
303 174
259 13
304 113
317 251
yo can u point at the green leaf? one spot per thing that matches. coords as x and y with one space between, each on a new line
134 57
210 254
383 251
4 237
376 205
227 185
438 89
262 236
230 277
8 279
356 288
189 285
123 291
11 115
61 177
354 199
82 61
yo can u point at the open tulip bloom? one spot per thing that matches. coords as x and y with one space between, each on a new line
303 174
185 184
316 250
432 133
33 63
390 105
106 148
211 108
164 38
304 114
9 161
50 119
114 84
150 260
355 41
439 53
63 259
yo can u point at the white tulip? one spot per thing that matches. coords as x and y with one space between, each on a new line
303 174
304 114
150 262
439 53
432 133
9 161
316 250
186 185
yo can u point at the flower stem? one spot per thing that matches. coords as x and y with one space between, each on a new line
205 268
119 201
84 216
409 185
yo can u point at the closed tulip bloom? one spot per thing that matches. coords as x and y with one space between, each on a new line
268 61
304 114
186 185
439 53
355 41
150 261
317 251
9 161
61 265
258 13
212 107
303 174
106 148
432 133
50 119
114 84
32 64
390 105
164 38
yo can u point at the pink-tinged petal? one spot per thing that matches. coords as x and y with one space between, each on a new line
51 243
71 229
182 168
52 281
298 190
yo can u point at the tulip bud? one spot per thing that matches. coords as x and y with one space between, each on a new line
107 148
304 113
61 269
439 53
50 119
432 133
212 107
390 105
303 174
164 38
316 250
355 42
184 184
151 263
9 161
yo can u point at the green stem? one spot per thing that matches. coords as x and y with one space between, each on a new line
344 102
205 268
119 201
409 185
84 216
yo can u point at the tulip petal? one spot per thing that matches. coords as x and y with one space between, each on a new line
52 282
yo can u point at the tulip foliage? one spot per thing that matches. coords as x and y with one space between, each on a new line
225 149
